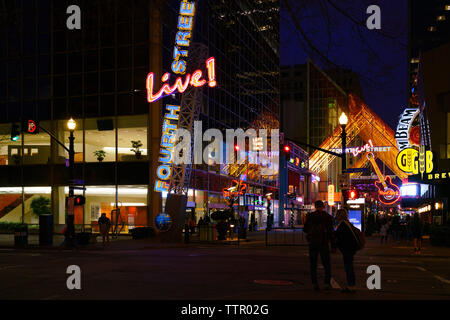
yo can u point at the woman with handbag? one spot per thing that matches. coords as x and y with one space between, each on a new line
347 244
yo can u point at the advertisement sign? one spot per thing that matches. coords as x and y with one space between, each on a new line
164 170
355 217
408 130
412 161
331 195
368 147
388 192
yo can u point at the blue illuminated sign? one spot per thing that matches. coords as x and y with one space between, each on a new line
354 216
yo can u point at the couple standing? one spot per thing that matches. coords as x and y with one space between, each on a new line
320 233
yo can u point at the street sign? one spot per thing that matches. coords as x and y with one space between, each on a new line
30 126
77 182
344 180
354 170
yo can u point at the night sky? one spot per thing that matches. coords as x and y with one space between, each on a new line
379 57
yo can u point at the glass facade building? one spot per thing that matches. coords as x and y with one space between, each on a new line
96 75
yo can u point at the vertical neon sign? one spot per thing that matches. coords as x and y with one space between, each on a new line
183 36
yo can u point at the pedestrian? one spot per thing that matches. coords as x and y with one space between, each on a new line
396 228
346 242
104 224
408 229
70 239
191 225
384 231
319 229
417 231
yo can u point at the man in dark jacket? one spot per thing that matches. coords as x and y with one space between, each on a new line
319 229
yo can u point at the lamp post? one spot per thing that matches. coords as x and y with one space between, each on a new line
343 120
269 223
70 231
71 125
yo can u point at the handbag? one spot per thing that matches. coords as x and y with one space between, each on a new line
358 235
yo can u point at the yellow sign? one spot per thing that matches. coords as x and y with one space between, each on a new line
412 161
331 195
438 176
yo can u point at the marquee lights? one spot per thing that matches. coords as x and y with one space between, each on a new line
164 170
194 80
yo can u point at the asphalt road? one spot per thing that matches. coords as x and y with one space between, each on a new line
142 270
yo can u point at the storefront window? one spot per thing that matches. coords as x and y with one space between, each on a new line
62 133
100 140
10 205
132 138
132 203
9 149
36 148
37 201
99 199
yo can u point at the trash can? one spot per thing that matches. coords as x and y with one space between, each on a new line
21 236
45 230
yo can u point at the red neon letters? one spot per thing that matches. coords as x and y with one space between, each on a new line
194 80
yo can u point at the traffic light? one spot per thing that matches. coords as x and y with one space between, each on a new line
15 133
287 150
79 200
353 194
236 147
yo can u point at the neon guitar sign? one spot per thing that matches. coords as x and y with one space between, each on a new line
388 193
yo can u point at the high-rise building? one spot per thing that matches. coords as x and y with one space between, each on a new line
97 75
315 99
429 28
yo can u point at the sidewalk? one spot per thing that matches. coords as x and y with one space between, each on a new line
7 241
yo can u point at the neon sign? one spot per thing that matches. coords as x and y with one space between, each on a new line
32 127
164 170
331 195
183 36
368 147
236 189
412 161
403 132
194 80
388 193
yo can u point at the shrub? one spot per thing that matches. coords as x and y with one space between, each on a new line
9 226
40 205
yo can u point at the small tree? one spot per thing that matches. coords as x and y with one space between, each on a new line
136 145
40 205
100 154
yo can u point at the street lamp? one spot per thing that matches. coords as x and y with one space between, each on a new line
343 120
71 125
269 223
